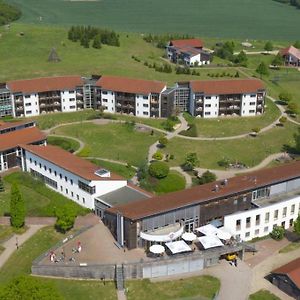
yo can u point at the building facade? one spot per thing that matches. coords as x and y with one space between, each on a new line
291 56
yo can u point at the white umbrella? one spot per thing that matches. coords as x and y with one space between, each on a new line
157 249
189 236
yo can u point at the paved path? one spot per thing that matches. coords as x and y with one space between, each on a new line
121 295
188 179
10 245
31 221
123 163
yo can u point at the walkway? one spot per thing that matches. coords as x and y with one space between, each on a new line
10 245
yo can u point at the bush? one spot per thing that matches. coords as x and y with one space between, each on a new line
17 207
207 177
277 233
163 141
224 162
159 169
256 129
65 218
282 120
158 155
191 131
285 97
191 161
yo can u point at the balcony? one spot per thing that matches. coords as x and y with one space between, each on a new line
199 109
154 101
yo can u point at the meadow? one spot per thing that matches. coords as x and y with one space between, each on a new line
218 18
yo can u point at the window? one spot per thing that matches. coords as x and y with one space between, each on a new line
67 192
40 165
238 224
61 188
77 196
248 222
251 111
207 113
45 179
256 232
145 113
28 112
60 176
45 168
28 104
27 96
35 162
104 100
235 202
89 189
71 92
55 173
83 200
207 105
247 234
208 97
267 217
72 194
284 212
145 105
72 99
257 220
275 214
104 92
66 178
252 103
145 97
266 229
72 107
50 170
71 180
252 95
292 209
30 159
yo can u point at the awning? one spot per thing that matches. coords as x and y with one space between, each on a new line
152 237
210 241
178 247
223 234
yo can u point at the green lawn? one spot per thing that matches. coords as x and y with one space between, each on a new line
195 288
290 247
20 264
114 141
230 126
125 171
203 18
5 232
249 150
66 144
263 295
39 200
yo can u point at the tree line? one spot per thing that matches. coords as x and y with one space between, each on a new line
160 41
291 2
88 35
8 13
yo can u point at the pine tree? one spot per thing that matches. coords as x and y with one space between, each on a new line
1 185
97 42
17 207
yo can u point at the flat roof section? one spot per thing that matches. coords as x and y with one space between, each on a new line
123 195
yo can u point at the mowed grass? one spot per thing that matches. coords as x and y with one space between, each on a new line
202 286
20 264
39 200
64 143
250 150
230 126
231 18
173 182
263 295
116 141
290 247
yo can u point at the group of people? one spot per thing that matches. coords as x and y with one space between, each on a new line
55 259
234 262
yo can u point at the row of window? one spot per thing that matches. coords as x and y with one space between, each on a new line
72 194
44 178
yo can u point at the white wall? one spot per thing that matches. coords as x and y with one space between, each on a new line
211 107
31 105
142 106
249 104
69 188
108 101
68 100
264 227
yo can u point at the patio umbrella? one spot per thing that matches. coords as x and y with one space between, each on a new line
157 249
189 236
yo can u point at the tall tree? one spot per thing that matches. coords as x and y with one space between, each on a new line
262 69
191 161
17 207
269 46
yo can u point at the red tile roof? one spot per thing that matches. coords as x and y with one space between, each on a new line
171 201
292 270
195 43
230 86
130 85
290 50
46 84
7 125
28 135
70 162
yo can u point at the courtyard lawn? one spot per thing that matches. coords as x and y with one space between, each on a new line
263 295
20 264
124 171
250 150
64 143
290 247
39 200
5 232
188 288
117 141
230 126
173 182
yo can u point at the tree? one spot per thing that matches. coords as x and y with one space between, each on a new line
285 97
29 288
17 207
282 120
241 59
237 74
297 225
158 155
277 233
163 141
97 42
262 69
159 169
65 218
278 60
297 44
269 46
207 177
191 161
292 108
1 185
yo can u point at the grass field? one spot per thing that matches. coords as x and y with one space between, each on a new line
189 288
250 150
290 247
113 141
64 143
263 295
234 125
39 200
203 18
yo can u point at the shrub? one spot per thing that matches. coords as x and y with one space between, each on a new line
158 155
159 169
17 207
285 97
207 177
163 141
191 161
277 233
65 218
224 162
256 129
282 120
191 131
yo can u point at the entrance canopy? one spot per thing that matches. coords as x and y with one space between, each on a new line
166 234
210 241
178 247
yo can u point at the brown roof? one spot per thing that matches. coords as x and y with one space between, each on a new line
292 270
46 84
195 43
8 125
28 135
230 86
69 162
202 193
130 85
291 50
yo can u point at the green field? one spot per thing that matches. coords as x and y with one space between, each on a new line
263 295
64 143
218 18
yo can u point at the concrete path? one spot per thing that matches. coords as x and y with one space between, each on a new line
188 179
10 245
121 295
31 221
123 163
